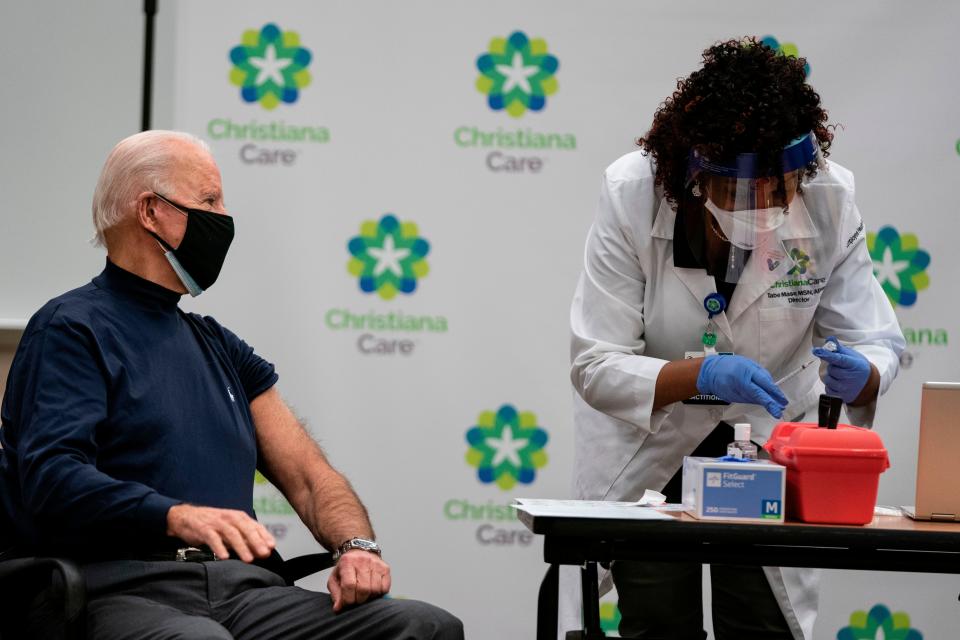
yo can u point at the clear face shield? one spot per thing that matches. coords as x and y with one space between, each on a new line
746 204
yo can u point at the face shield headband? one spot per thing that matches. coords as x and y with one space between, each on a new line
746 166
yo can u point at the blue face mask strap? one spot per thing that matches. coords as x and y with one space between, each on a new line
796 155
191 285
188 282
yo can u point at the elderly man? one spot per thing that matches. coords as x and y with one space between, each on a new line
132 429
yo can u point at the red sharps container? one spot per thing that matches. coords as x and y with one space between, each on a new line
832 473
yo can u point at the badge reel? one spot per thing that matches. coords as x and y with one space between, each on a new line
714 304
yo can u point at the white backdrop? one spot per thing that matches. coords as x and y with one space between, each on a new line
393 93
390 108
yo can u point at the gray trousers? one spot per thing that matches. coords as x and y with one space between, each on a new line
231 600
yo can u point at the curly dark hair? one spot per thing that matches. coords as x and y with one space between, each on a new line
747 98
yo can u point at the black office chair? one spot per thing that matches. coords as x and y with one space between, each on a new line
23 578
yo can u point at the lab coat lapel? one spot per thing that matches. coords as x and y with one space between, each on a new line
697 282
770 261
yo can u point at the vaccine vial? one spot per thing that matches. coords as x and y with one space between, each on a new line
741 447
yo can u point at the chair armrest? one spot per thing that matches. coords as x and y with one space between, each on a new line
36 571
295 568
302 566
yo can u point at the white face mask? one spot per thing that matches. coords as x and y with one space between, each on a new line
745 228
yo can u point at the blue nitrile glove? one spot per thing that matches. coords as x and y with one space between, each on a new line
738 379
848 370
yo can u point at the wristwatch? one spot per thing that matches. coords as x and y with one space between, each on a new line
357 543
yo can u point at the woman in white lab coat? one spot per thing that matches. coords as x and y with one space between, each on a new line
730 194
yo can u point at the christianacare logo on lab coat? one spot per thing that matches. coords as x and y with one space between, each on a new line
899 264
787 49
517 74
389 257
800 260
506 447
879 624
270 66
609 617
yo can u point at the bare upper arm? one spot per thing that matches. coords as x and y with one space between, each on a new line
288 455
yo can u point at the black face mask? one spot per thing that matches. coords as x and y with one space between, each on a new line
199 258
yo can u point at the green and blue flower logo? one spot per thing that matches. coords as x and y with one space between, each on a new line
899 264
506 447
609 617
517 74
388 257
800 261
270 66
867 626
787 49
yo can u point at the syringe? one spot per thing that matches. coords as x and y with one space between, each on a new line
797 370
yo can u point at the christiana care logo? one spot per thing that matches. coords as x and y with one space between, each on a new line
270 66
609 617
389 257
506 447
899 264
517 74
388 260
785 48
879 624
272 509
800 261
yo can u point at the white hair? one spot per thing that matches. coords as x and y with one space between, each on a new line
141 162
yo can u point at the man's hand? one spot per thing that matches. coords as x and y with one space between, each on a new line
358 577
220 529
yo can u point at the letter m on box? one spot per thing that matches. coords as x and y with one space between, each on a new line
770 509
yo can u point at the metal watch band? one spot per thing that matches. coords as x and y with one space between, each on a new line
357 543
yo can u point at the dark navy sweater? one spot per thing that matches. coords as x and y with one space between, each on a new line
118 406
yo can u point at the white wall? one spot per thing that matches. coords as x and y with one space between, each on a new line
71 77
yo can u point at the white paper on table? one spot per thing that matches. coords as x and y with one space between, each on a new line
601 509
651 498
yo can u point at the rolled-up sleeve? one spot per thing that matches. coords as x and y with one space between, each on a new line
608 366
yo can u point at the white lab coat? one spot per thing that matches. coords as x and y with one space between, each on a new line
634 311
